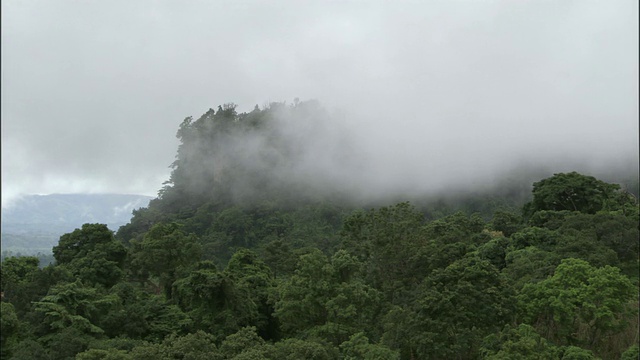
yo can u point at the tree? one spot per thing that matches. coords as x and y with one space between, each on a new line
100 354
613 238
164 251
518 343
253 279
29 349
16 270
565 242
293 349
336 303
529 265
222 302
358 347
92 254
386 239
196 346
632 353
8 328
139 315
243 340
455 309
577 353
495 251
75 305
573 192
21 282
306 292
506 222
279 257
67 343
579 305
524 343
163 318
448 240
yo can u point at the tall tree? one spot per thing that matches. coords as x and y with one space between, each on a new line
575 192
164 251
93 254
580 305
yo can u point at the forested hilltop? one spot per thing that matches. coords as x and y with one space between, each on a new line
248 252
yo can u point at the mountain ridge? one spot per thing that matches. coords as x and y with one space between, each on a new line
35 222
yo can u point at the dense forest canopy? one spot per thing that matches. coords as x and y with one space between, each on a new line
249 252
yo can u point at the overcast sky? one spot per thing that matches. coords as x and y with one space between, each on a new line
93 91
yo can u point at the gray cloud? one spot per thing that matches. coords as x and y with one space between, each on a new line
434 92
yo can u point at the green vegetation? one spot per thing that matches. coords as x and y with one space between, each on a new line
235 261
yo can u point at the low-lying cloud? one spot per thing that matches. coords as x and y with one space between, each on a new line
433 94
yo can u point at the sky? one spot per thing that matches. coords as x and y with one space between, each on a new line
434 92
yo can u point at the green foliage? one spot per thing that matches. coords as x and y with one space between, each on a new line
212 298
196 346
495 251
150 351
529 265
99 354
21 282
293 349
335 303
576 353
518 343
457 307
565 243
140 315
253 279
506 222
386 239
75 305
575 192
358 347
67 343
8 328
92 254
579 305
306 292
164 318
164 251
142 220
524 343
223 302
612 239
16 270
29 349
541 238
279 257
263 225
243 340
632 353
122 343
448 240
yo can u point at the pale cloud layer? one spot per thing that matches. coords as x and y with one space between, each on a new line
434 91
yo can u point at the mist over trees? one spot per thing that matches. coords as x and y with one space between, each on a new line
268 243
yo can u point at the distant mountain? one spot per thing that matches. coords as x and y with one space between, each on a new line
35 222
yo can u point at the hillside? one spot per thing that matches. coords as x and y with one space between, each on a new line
245 255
